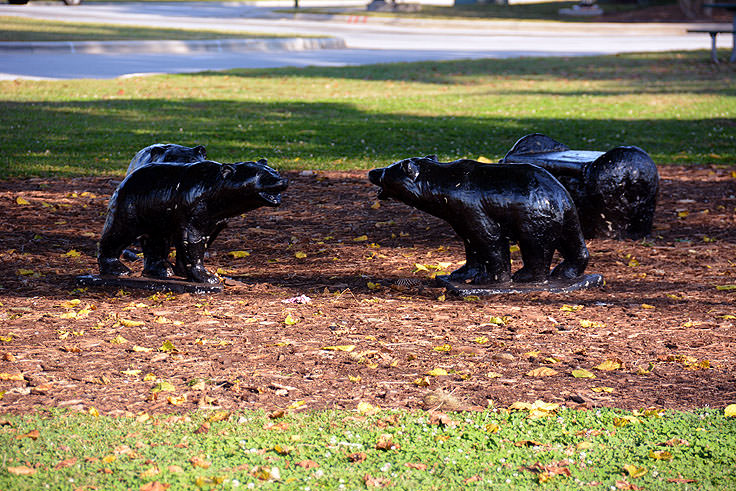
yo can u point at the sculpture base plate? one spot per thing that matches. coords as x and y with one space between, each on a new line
151 284
553 286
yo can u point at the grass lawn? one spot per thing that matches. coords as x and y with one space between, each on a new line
23 29
492 449
677 106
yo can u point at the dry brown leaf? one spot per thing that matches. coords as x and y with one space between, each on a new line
307 464
66 463
419 467
357 457
21 470
33 435
155 486
200 461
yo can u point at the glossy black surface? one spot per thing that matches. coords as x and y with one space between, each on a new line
183 205
615 192
166 152
489 205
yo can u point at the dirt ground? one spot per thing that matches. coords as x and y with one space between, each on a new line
661 332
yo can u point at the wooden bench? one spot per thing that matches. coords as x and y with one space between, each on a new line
713 33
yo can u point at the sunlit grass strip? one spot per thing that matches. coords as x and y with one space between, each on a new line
24 29
350 450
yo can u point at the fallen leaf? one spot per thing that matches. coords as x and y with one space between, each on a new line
419 467
290 321
307 464
66 463
200 461
367 409
627 485
603 389
582 373
150 472
11 376
376 482
361 238
141 349
660 455
33 435
730 411
130 323
609 365
72 253
118 340
542 372
357 458
437 372
635 471
300 255
21 470
164 387
344 347
155 486
239 254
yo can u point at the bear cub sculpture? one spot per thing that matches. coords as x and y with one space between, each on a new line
488 206
166 152
182 205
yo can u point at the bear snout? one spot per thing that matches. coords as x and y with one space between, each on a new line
376 176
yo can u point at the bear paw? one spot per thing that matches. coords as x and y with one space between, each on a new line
113 267
526 276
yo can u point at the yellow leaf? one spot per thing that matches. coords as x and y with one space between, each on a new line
22 201
443 265
635 471
481 340
367 409
719 287
571 308
131 373
344 347
11 376
150 472
300 255
532 354
441 298
148 377
373 286
164 386
624 420
497 321
290 321
118 340
602 389
493 375
586 323
141 349
609 365
238 254
421 382
109 459
660 455
376 205
355 379
94 412
131 323
177 401
582 373
647 306
730 411
168 347
471 298
437 372
444 347
420 267
72 253
492 428
25 272
361 238
682 214
200 461
541 372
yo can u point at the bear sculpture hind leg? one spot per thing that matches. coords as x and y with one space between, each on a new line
155 263
537 257
112 244
189 260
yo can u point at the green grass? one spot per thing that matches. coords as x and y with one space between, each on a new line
567 449
677 106
22 29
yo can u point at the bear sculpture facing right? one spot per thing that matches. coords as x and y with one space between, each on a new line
488 206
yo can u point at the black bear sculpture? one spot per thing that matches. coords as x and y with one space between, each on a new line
615 191
488 206
166 152
182 205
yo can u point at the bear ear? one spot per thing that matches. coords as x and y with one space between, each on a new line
157 152
262 161
432 157
201 151
226 170
410 169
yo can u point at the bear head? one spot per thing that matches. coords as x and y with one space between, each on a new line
401 180
251 184
171 152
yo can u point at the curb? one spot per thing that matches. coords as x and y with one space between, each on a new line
200 46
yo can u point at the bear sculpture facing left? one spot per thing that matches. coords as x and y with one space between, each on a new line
488 206
181 205
166 152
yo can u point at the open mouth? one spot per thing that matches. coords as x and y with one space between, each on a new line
376 177
271 194
272 199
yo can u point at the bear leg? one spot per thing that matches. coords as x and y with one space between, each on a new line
190 255
572 248
487 258
537 257
112 244
155 254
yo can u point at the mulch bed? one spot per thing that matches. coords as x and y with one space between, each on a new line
660 322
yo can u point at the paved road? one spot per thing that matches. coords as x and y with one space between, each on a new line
369 40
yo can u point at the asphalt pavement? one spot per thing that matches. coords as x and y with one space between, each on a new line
320 40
